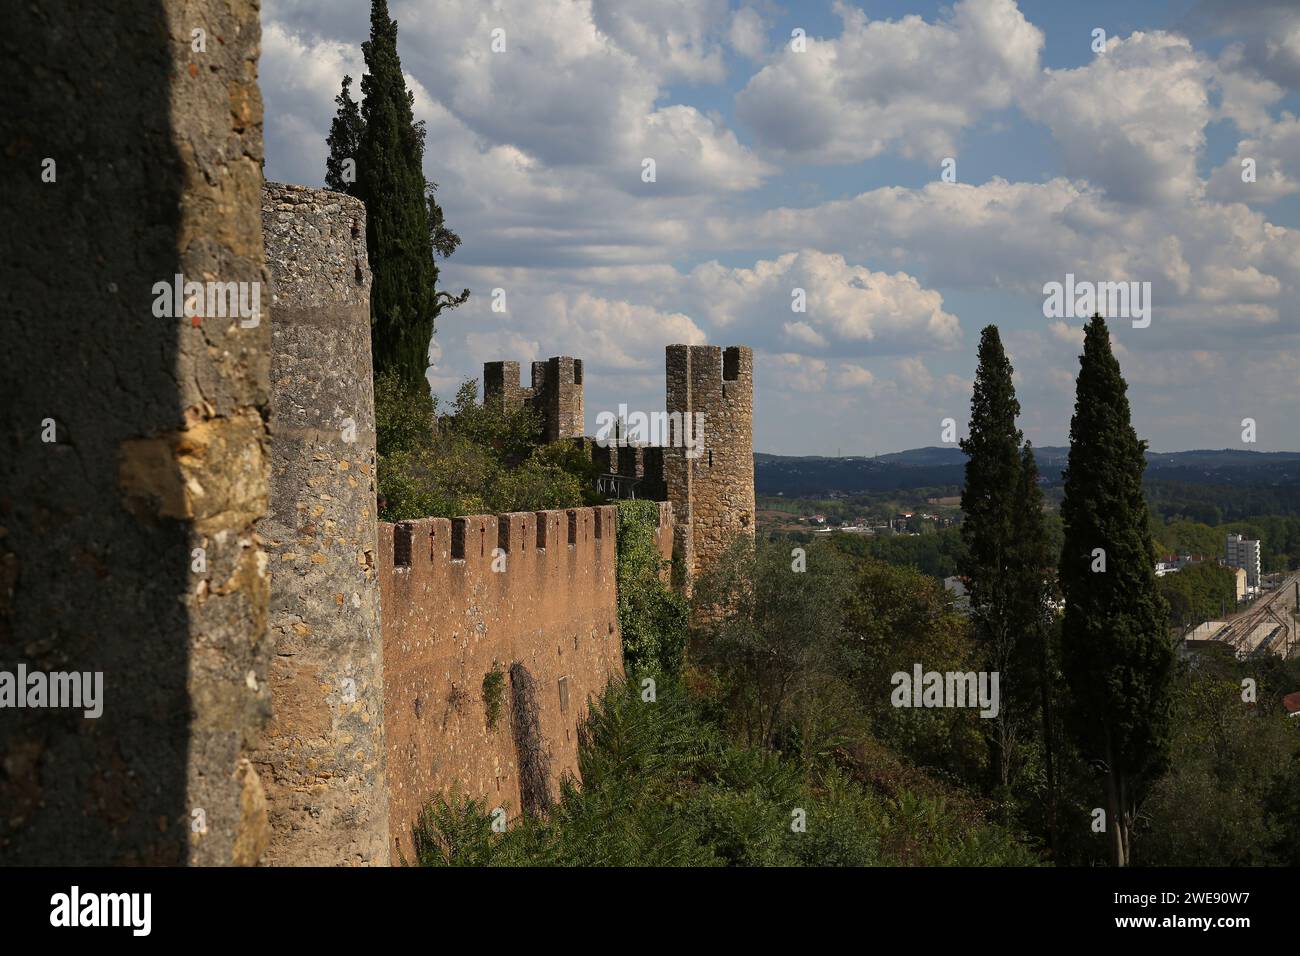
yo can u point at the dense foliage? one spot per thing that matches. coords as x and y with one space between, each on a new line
1198 592
1219 503
481 459
664 785
651 615
939 553
1232 794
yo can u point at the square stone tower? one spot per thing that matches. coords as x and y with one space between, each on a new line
501 384
556 393
712 493
557 396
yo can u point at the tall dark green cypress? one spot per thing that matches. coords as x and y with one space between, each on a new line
1031 569
989 504
1116 655
344 141
390 180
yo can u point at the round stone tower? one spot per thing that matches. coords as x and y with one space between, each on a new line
323 757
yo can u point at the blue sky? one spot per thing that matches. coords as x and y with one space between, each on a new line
819 169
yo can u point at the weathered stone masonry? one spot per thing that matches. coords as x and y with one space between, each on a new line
323 755
556 393
128 545
712 494
454 611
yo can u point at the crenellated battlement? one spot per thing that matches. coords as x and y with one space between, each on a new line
464 596
474 539
710 396
555 394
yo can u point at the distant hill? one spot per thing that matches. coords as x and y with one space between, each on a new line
945 467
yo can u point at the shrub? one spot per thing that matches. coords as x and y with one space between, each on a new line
651 616
494 682
663 786
480 459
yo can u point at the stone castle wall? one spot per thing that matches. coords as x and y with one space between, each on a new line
322 757
664 533
450 619
128 543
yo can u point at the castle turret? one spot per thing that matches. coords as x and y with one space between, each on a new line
559 397
324 748
710 476
555 395
501 385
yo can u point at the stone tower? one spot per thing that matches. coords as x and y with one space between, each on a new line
323 757
501 384
559 399
712 493
556 393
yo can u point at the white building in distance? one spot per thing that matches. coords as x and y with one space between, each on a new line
1242 552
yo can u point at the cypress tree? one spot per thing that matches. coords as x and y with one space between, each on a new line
1116 655
1031 568
989 505
344 141
390 180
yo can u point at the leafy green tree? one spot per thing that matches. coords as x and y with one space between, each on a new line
1117 656
1198 592
770 630
898 617
1229 797
406 415
990 503
1191 537
344 142
939 554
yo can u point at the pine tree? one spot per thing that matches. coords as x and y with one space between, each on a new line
1116 655
390 180
989 506
1031 569
344 142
